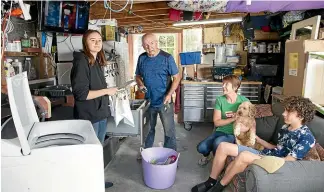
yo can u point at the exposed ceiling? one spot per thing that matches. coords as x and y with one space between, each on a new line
153 16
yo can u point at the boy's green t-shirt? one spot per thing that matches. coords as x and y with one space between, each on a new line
223 106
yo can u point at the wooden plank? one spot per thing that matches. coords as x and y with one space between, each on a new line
137 6
152 18
163 30
20 54
148 24
144 22
123 15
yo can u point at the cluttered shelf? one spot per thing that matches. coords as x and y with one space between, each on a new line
267 53
20 54
244 82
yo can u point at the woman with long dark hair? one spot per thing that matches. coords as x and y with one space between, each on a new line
88 83
89 86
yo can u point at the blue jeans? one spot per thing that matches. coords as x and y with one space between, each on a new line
167 119
242 148
100 129
211 142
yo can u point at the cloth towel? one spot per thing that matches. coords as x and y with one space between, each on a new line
270 163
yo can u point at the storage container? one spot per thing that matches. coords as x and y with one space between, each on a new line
264 70
158 176
220 72
230 49
220 55
190 58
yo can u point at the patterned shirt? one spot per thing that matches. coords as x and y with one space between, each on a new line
295 143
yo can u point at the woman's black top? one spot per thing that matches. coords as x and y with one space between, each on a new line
83 79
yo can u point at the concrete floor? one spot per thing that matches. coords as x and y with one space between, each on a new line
126 172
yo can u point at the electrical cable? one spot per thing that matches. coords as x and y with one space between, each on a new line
119 10
154 22
94 3
6 122
5 32
71 42
63 40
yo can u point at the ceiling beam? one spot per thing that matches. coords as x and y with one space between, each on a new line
99 8
151 18
125 15
161 27
145 23
136 7
163 31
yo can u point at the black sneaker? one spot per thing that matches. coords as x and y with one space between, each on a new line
108 184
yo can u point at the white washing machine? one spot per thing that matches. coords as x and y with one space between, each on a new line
58 156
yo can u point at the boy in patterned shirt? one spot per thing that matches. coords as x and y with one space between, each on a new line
294 141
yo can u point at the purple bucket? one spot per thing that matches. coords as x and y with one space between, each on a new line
158 176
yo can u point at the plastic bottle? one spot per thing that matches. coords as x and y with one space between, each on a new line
17 65
25 41
31 71
17 44
9 70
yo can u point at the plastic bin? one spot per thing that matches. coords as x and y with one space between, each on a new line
220 72
190 58
158 176
264 70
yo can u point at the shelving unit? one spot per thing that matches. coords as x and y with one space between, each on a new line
20 54
208 50
31 82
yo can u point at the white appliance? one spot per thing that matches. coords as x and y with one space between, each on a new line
53 156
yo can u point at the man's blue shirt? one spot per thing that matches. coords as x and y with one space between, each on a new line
156 73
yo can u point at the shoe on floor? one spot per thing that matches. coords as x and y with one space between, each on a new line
108 184
201 187
204 160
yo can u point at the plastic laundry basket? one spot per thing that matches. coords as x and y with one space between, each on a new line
158 176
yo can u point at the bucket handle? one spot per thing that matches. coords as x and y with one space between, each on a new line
141 149
178 157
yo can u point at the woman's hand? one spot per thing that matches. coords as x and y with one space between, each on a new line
111 91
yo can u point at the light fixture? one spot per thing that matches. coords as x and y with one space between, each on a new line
209 21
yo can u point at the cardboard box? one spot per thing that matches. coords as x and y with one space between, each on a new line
213 35
261 35
108 33
296 62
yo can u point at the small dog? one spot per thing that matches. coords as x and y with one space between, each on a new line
245 120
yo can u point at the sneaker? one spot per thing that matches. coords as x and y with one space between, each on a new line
204 160
108 184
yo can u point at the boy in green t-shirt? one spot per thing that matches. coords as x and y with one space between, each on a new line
224 113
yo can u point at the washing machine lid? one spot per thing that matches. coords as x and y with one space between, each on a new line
22 108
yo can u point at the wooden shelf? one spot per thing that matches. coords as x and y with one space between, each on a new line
208 50
20 54
267 53
41 80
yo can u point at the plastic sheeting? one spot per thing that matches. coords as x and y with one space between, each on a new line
120 108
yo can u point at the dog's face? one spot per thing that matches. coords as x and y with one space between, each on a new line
246 109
